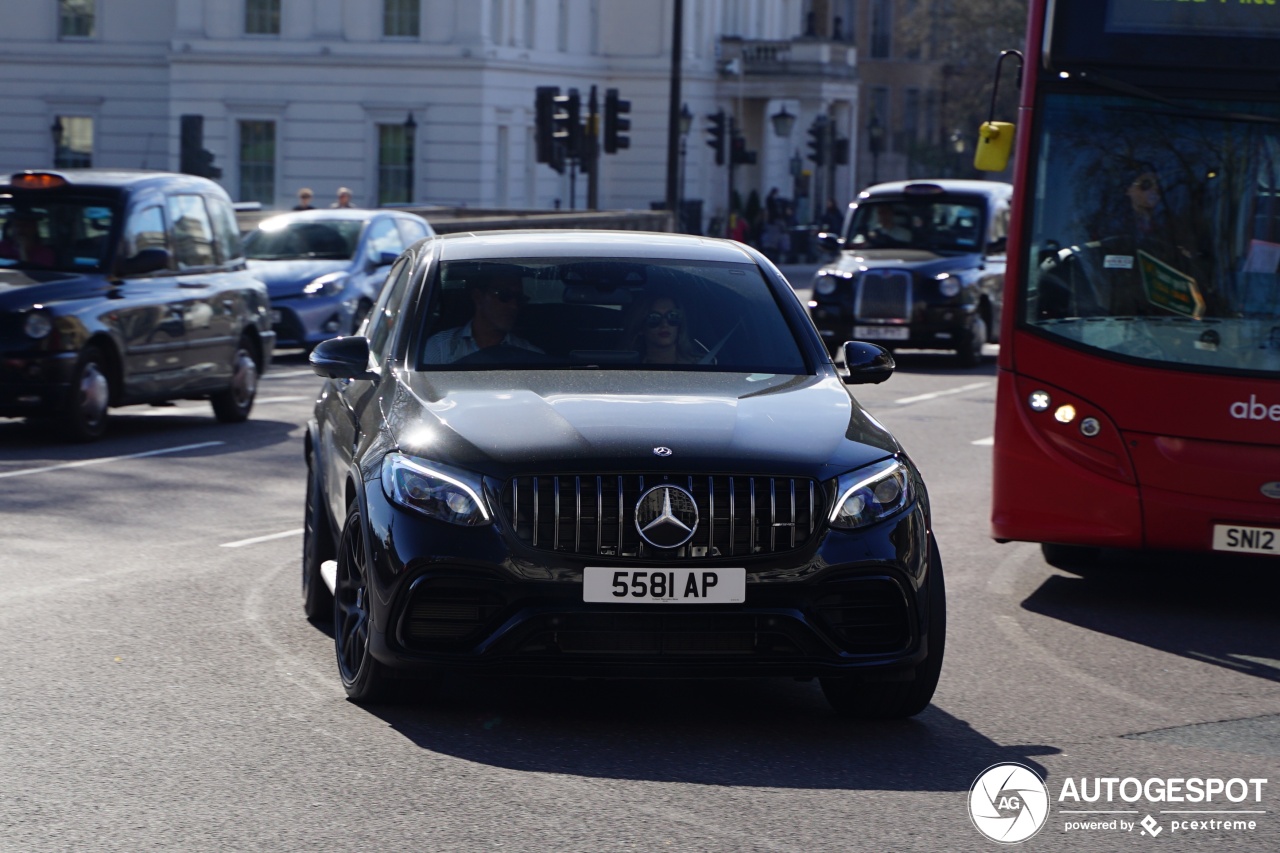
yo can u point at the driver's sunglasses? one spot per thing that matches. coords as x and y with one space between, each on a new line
517 296
673 317
1145 184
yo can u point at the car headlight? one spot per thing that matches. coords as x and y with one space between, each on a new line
948 285
824 285
872 494
436 490
330 284
38 325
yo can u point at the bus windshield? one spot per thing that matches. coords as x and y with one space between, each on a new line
1155 231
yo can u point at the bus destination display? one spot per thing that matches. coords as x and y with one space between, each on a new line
1258 18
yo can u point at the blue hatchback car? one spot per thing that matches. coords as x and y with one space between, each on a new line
325 268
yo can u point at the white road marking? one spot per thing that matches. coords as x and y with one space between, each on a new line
182 410
989 441
255 540
935 394
288 374
105 459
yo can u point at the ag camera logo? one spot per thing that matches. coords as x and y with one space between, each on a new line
1008 803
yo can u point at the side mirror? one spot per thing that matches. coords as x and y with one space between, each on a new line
342 358
867 364
830 242
386 259
146 261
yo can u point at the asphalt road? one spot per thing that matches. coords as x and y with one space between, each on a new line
160 688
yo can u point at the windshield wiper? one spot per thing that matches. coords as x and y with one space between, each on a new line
1121 87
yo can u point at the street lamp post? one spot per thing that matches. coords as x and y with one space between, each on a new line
56 131
875 144
783 122
685 123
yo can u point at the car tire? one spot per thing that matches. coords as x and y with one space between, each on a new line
232 404
969 353
363 677
87 416
317 546
895 700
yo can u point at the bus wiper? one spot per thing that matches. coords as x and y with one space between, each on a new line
1102 81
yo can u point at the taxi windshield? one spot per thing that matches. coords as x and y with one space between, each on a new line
42 232
934 225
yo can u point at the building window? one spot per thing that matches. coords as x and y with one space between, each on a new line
881 29
880 107
401 18
910 120
530 20
73 142
395 163
497 11
262 17
842 25
258 161
562 27
76 19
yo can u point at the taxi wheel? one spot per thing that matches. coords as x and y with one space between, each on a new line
317 546
86 418
233 404
895 700
363 677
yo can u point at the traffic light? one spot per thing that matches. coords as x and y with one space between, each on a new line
194 158
818 140
716 133
615 122
738 153
545 109
840 150
568 122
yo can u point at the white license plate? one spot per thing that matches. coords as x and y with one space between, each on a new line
1246 540
881 333
275 317
664 586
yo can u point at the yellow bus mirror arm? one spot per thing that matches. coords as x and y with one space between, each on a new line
995 144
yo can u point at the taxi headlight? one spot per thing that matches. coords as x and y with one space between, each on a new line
824 285
38 325
872 494
435 490
948 285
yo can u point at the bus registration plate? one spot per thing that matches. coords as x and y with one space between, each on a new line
664 586
1247 540
881 333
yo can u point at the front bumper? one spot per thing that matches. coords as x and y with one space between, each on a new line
37 384
306 321
930 327
476 599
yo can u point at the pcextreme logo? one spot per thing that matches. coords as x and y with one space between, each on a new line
1008 803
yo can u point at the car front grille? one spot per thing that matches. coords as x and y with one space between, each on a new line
883 295
661 635
594 515
866 615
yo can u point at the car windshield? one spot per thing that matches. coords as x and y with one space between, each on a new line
605 313
930 224
1155 231
329 239
39 231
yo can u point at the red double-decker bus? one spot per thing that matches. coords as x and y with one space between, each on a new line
1139 371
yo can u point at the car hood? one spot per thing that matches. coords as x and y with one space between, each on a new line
917 260
502 424
23 288
287 278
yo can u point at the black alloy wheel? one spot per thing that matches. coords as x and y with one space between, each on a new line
971 340
86 418
317 546
233 404
895 700
363 677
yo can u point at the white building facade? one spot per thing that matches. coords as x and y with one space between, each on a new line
423 101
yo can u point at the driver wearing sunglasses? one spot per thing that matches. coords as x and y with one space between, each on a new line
496 297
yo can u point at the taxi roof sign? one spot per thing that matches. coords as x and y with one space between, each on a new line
37 180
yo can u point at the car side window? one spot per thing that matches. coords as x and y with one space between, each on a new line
192 231
144 230
382 318
383 237
225 231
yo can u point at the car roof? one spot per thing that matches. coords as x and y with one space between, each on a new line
329 214
588 244
993 189
132 179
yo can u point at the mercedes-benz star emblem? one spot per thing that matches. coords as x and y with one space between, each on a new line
662 451
666 516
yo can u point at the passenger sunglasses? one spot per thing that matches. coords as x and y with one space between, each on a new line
516 296
673 318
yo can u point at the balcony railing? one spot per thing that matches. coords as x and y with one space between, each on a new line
807 57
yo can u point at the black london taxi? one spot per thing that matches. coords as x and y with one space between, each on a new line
123 287
919 265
